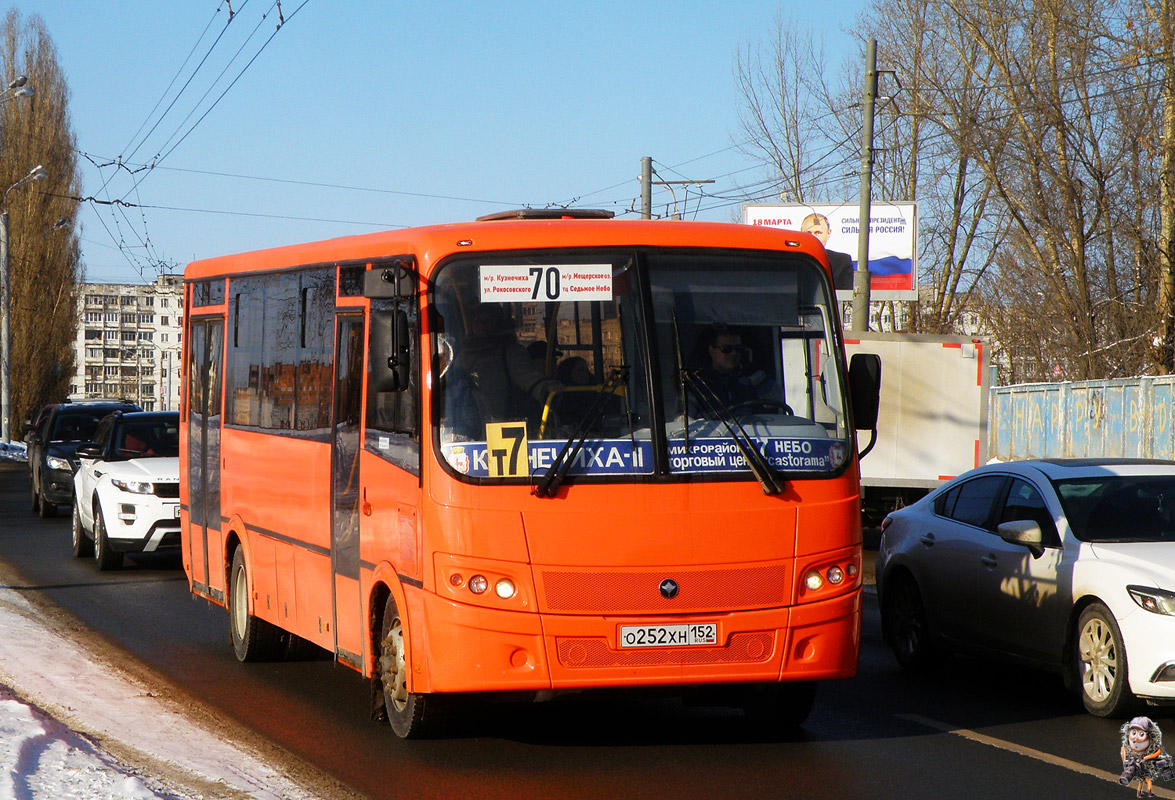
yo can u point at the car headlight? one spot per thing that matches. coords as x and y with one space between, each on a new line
54 462
1157 601
134 487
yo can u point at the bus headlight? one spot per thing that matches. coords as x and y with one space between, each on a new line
484 582
829 577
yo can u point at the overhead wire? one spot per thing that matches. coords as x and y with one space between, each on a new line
187 83
119 164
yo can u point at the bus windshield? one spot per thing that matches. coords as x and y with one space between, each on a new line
535 352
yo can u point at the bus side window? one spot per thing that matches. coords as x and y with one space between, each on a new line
393 417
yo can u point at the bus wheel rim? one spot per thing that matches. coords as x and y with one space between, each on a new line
392 668
240 603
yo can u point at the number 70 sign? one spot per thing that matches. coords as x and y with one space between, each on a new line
545 283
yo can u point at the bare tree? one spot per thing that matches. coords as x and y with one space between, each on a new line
1064 116
1038 140
807 131
925 153
44 255
789 119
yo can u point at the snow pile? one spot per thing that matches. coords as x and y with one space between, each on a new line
13 451
40 757
43 758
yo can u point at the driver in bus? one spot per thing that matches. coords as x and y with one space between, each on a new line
503 382
727 377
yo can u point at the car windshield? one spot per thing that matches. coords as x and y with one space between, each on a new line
1114 508
76 427
147 439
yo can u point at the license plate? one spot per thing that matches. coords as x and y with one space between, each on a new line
176 511
689 635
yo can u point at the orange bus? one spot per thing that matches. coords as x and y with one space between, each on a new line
536 453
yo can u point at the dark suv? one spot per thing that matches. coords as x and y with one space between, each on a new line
52 449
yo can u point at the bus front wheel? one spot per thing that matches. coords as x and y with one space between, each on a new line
253 639
773 705
407 712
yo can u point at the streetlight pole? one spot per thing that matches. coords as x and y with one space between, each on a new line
37 173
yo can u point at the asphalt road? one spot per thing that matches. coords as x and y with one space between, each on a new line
970 729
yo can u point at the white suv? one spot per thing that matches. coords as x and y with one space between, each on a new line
126 490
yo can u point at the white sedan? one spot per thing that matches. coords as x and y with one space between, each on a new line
126 490
1065 564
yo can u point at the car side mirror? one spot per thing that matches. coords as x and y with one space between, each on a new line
89 450
1023 532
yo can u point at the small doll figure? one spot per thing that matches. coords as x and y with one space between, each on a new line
1142 755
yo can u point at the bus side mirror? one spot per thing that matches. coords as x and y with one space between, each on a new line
391 351
395 279
865 390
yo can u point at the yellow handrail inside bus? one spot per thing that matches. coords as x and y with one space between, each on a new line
619 391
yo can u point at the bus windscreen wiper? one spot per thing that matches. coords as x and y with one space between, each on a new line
758 464
553 477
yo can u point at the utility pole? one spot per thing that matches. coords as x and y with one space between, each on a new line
647 187
1166 350
647 184
861 276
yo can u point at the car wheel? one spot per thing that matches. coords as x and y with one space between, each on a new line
1101 664
82 546
104 557
253 638
411 715
904 622
35 505
45 508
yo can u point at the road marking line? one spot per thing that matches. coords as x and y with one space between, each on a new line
1029 752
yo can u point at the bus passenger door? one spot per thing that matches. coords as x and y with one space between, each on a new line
346 444
204 451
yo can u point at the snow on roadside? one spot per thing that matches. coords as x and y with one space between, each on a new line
40 757
121 722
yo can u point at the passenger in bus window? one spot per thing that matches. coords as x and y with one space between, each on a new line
575 372
502 381
727 377
538 354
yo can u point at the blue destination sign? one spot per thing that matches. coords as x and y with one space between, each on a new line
621 457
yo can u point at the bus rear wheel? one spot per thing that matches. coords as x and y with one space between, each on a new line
408 712
254 639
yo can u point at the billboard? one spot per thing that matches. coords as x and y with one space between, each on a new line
893 227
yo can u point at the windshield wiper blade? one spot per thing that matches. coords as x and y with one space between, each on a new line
553 477
681 378
757 462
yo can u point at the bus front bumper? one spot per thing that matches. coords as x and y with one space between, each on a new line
482 649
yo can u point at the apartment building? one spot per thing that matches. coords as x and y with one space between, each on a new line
128 342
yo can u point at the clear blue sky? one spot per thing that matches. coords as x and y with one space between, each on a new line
402 113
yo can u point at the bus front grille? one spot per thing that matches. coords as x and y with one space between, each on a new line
697 590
